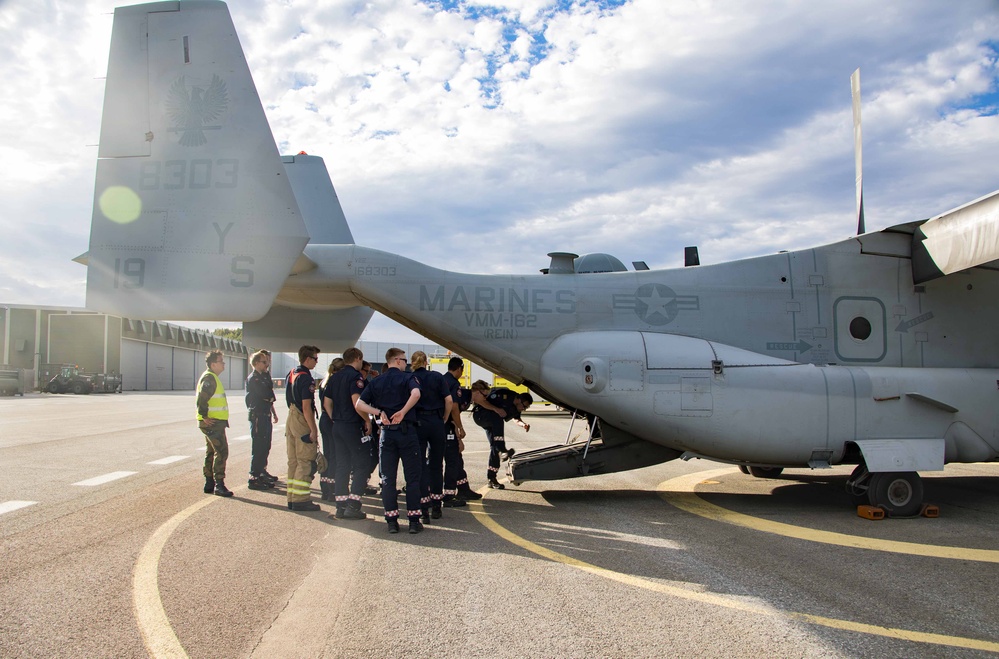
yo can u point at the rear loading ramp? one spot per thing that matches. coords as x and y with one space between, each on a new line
615 451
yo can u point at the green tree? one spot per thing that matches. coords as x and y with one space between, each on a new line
227 333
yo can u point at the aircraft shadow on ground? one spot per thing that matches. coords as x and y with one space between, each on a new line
634 532
802 492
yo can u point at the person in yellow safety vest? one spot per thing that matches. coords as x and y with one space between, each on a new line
301 432
213 419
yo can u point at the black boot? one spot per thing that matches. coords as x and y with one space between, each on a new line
468 494
454 503
209 485
435 509
415 526
327 489
425 516
393 525
221 490
352 511
259 483
496 485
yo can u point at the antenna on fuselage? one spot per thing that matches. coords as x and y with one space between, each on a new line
858 149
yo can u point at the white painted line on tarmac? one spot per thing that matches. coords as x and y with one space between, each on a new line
11 506
168 460
106 478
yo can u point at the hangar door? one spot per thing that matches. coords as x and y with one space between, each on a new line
146 366
152 367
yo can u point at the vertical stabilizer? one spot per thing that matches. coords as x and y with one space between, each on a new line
317 200
194 217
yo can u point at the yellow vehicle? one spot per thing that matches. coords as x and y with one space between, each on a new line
439 364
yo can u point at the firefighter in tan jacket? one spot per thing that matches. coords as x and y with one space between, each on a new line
301 432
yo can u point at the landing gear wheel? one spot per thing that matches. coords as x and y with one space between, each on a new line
899 493
744 469
765 472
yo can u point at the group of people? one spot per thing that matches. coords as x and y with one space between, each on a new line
416 414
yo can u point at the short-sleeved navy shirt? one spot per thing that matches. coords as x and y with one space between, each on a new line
342 386
459 396
390 391
504 398
301 385
433 391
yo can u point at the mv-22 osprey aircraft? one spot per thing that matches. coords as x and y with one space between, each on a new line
878 351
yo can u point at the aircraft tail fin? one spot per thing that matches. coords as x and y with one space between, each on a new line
194 214
317 200
285 328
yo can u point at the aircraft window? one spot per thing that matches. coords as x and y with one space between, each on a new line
860 328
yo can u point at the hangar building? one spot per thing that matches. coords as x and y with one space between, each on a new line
150 355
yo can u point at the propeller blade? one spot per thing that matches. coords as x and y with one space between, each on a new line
858 155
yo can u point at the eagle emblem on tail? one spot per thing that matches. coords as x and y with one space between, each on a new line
191 111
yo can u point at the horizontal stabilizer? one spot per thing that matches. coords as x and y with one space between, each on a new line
957 240
194 216
286 330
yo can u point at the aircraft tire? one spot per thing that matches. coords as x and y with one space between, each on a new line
899 493
744 469
765 472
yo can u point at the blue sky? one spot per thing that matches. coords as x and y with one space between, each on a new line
482 135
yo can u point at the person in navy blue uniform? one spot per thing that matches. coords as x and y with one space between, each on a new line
456 487
432 409
262 416
491 412
349 428
326 429
391 398
372 445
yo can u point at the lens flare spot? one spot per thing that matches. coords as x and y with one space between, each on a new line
120 204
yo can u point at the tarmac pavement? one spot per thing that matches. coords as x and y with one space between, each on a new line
108 547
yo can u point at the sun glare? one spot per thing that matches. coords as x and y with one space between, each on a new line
120 204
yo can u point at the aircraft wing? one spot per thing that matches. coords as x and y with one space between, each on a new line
959 239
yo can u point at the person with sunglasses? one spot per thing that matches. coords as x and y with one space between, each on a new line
301 432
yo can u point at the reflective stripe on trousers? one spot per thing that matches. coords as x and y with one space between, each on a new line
301 457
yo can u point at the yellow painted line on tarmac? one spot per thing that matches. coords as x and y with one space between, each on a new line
157 633
477 509
680 493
